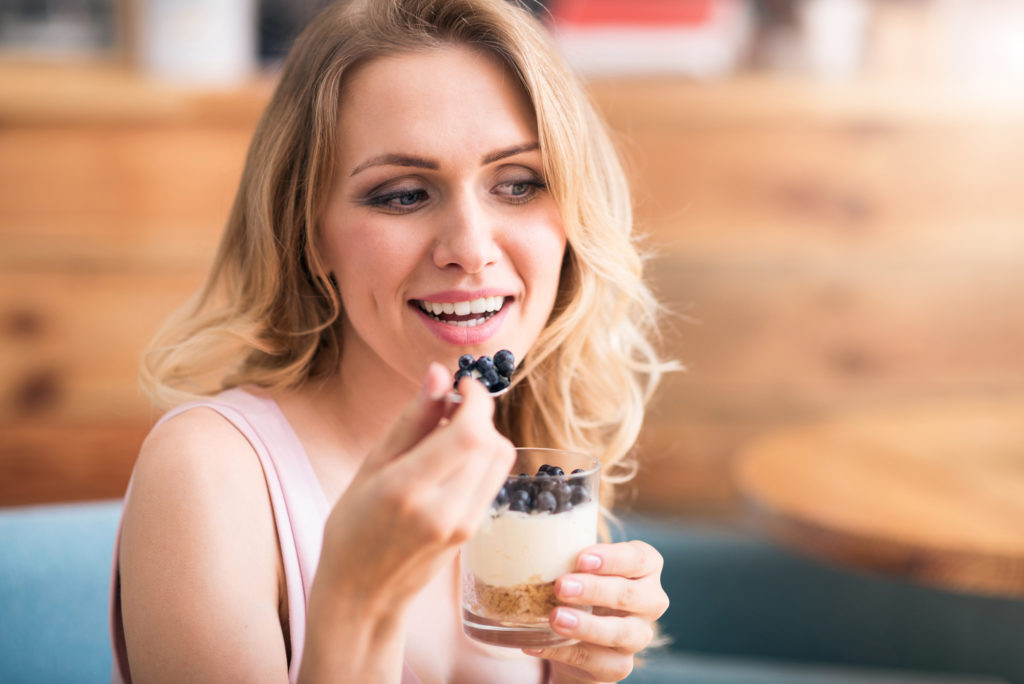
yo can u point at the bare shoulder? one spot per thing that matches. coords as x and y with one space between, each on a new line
199 557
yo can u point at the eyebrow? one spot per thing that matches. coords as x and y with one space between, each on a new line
396 160
422 163
510 152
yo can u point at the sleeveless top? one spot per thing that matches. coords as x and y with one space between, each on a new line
300 513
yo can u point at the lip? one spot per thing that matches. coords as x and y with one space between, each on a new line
457 335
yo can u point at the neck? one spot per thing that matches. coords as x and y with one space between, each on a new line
362 401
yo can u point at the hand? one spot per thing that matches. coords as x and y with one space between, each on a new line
417 497
623 584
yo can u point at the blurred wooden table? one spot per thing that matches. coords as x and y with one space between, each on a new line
933 493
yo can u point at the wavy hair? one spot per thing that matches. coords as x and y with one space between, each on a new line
268 312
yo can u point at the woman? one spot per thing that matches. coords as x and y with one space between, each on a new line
298 515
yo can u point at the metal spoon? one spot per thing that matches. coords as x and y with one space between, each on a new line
456 398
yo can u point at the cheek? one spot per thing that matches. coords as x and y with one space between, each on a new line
545 255
360 250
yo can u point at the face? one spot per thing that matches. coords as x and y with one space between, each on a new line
439 228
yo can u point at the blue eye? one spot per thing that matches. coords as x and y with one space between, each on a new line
399 201
519 191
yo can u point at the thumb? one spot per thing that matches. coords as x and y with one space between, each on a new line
416 421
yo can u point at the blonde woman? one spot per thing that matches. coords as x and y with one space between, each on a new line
297 514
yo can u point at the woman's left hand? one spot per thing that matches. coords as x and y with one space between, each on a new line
623 584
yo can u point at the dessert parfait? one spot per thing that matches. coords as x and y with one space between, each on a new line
536 527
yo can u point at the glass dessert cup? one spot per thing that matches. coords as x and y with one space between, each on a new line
536 526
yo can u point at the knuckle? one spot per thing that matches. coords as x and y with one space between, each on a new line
579 657
646 636
460 534
622 669
641 553
626 598
663 604
624 636
468 440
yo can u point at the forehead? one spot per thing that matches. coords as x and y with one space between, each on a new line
450 95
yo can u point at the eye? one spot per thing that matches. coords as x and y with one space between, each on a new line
519 191
398 201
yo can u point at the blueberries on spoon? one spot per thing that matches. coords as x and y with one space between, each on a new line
494 373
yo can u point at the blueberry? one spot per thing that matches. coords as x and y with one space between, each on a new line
578 494
555 471
505 362
502 497
459 374
546 502
491 380
519 501
466 361
578 471
548 484
563 493
484 364
543 468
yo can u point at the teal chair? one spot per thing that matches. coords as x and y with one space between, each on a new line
743 611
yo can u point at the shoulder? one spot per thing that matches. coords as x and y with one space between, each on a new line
197 466
198 544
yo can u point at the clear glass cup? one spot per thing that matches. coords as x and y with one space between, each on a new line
536 526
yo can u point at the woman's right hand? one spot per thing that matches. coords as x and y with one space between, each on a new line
416 498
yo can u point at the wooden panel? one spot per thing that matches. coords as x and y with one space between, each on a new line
820 249
71 341
45 461
132 194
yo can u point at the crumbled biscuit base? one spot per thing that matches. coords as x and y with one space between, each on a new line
518 603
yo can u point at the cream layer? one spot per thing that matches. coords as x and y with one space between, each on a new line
512 547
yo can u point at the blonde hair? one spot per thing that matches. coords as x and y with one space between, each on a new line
268 313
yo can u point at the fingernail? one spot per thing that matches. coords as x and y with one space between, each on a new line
571 588
566 619
533 651
589 561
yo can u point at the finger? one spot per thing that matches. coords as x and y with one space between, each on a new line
627 634
418 419
483 480
631 559
445 450
636 596
476 400
589 661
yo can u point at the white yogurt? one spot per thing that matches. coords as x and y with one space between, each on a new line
513 547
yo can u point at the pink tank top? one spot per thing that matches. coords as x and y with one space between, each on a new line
300 512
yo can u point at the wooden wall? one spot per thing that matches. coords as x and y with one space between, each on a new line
818 249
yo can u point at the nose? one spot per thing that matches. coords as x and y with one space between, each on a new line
466 236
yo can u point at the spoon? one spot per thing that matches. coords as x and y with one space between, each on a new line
456 398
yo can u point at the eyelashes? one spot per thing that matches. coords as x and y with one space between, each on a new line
404 200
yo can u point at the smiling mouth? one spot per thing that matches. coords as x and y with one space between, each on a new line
465 314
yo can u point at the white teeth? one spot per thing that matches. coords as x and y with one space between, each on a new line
476 306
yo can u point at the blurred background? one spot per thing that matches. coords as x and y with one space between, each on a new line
833 191
833 194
